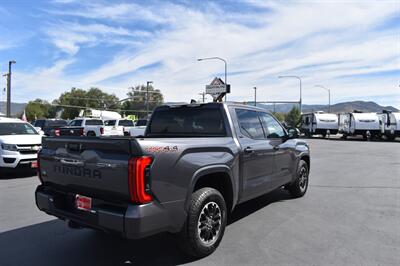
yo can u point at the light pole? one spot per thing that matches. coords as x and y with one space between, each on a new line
203 94
329 94
147 98
221 59
301 101
255 96
9 87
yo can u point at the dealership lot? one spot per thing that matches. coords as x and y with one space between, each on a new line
350 215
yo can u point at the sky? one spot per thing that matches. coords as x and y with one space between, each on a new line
350 47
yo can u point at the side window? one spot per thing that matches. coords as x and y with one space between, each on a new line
250 124
76 123
272 128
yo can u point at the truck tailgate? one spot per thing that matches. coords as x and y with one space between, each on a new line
96 167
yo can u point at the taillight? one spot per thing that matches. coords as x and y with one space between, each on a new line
139 179
82 132
101 131
57 132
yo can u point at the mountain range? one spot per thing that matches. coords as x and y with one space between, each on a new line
17 108
343 107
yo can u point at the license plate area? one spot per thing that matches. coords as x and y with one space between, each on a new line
34 164
83 203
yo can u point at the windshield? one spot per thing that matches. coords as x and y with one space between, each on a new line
109 123
94 122
16 129
126 123
141 122
187 121
56 123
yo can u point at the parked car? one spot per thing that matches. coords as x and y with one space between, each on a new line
83 126
48 126
195 163
117 127
139 128
19 144
319 123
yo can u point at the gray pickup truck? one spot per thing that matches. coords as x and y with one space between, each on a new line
195 163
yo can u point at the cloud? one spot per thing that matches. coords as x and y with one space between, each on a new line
69 37
324 42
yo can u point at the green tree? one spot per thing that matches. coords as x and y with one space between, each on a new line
37 109
293 117
279 116
136 103
76 99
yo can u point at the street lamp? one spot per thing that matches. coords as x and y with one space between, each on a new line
301 101
147 98
329 94
221 59
9 87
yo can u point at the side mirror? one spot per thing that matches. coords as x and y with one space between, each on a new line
293 133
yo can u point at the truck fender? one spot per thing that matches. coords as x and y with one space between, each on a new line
211 169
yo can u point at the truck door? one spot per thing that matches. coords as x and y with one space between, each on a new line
284 156
257 154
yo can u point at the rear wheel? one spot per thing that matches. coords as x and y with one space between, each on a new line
299 187
91 134
205 223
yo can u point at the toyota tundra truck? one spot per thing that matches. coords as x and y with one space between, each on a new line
193 165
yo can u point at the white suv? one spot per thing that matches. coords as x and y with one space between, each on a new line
19 144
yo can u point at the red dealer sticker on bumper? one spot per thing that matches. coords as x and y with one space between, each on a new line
83 203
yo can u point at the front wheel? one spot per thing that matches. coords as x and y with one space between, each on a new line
299 187
205 223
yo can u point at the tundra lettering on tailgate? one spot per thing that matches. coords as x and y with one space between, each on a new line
77 171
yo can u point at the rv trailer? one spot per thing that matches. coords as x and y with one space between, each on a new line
359 124
319 123
390 124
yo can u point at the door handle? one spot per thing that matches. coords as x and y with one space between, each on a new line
249 150
276 148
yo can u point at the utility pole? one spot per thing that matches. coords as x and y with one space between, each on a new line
9 88
147 98
255 96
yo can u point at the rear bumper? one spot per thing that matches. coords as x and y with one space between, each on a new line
131 221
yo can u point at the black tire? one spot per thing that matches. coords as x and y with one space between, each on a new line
391 137
299 187
191 239
91 134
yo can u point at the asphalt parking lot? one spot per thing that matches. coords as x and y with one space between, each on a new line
349 216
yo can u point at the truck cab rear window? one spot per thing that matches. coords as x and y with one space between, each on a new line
187 121
94 122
